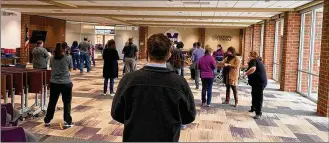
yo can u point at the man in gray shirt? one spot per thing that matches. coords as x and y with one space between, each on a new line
40 56
85 53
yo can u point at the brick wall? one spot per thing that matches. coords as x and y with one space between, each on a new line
25 22
291 32
143 42
323 98
202 36
256 37
247 44
268 51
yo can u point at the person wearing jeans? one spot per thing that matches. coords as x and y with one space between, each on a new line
85 53
110 68
206 66
75 55
60 83
197 54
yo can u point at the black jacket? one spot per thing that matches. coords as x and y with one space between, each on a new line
152 103
110 68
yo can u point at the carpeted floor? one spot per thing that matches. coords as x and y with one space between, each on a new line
287 117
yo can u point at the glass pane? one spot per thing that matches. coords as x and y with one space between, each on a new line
315 86
304 83
317 41
306 41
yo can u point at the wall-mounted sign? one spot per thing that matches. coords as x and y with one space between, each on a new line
173 35
222 38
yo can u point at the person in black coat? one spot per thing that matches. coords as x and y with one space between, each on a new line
110 68
257 79
153 102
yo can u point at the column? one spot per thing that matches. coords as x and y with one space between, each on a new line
290 50
247 45
24 51
256 37
268 52
143 35
323 97
202 36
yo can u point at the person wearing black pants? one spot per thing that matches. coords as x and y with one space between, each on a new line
60 83
257 79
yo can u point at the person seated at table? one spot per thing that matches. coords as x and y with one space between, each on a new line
40 56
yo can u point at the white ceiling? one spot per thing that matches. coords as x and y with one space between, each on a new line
162 3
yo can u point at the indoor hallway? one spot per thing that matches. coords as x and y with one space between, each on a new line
287 117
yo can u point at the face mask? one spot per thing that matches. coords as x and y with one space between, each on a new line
229 53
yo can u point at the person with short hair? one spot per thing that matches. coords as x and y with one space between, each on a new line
257 79
40 56
207 65
153 102
85 53
60 83
197 54
110 68
231 72
130 52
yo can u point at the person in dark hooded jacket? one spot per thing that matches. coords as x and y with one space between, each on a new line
154 101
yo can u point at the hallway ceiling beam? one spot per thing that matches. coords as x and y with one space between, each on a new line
61 4
151 16
194 26
188 22
129 8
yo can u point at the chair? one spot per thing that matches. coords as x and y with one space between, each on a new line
13 134
8 109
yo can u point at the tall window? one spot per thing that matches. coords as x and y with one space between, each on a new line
277 50
309 53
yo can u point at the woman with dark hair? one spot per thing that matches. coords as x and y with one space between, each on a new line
180 46
60 83
207 65
110 68
257 79
231 69
75 54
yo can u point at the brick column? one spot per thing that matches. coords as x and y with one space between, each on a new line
143 35
247 45
202 36
268 52
256 37
24 51
323 97
290 49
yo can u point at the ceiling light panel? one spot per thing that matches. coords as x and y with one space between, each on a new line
226 3
243 3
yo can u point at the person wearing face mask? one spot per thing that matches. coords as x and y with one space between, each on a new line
231 65
219 53
257 80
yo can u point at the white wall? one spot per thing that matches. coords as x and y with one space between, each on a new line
11 31
72 33
122 36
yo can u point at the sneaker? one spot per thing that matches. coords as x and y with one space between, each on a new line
203 104
257 116
112 94
47 124
208 105
66 125
104 94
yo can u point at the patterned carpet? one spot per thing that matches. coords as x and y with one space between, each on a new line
287 117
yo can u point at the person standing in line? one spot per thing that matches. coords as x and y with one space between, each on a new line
174 62
124 65
258 81
219 53
110 68
75 55
60 83
92 49
197 54
231 69
153 102
131 55
207 65
85 53
192 66
180 46
40 56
